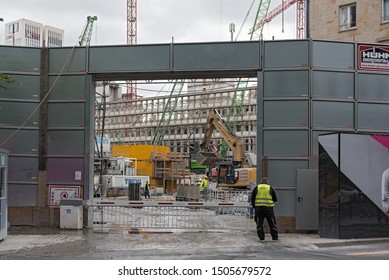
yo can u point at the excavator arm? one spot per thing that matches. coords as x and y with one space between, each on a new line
215 121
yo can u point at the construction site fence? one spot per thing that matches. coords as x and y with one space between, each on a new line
228 195
111 216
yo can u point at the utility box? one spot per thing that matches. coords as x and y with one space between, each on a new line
71 214
133 191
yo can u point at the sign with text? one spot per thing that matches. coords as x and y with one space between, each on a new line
373 57
58 193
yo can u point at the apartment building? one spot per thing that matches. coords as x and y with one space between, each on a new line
350 20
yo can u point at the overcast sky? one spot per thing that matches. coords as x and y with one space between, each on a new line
158 20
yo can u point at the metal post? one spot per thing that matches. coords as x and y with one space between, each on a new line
232 30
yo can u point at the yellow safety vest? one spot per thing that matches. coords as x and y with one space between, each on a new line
263 197
203 184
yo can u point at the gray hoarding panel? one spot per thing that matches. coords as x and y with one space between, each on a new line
23 169
373 116
333 114
373 86
286 113
28 87
286 83
333 84
287 143
286 205
231 56
286 54
16 114
129 58
283 172
19 59
21 142
64 60
66 115
333 55
67 88
66 142
22 194
69 170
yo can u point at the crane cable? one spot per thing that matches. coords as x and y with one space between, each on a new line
244 21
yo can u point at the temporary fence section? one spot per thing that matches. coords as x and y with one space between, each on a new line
108 216
228 195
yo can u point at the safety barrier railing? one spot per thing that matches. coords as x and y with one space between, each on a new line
228 195
110 215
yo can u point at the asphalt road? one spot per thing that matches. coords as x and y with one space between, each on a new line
55 244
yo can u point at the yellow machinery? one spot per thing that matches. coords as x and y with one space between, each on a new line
165 168
236 173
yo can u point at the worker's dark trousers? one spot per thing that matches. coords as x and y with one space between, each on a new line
261 213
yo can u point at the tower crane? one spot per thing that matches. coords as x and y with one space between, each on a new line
87 32
301 6
131 40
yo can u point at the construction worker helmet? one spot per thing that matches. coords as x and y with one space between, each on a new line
205 177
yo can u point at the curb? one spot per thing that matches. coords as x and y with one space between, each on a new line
351 243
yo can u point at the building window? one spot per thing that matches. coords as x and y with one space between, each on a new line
385 10
348 18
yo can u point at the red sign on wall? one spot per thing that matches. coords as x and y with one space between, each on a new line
373 57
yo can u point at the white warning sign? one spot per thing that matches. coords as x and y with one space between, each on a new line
58 193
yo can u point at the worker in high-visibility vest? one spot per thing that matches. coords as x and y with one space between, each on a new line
263 198
204 187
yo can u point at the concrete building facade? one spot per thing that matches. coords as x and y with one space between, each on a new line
350 20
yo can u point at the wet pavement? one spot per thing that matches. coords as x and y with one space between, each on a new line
52 243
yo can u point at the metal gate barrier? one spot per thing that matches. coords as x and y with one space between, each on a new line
108 215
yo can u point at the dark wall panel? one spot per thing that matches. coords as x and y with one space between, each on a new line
242 55
129 58
66 142
22 195
66 115
23 169
63 170
22 142
20 59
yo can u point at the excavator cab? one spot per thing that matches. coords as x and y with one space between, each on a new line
224 173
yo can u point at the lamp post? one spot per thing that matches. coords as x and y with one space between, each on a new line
1 19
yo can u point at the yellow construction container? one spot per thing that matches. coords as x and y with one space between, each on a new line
154 161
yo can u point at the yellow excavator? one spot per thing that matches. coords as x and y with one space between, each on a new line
237 173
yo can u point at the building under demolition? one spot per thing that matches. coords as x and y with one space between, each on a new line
135 121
